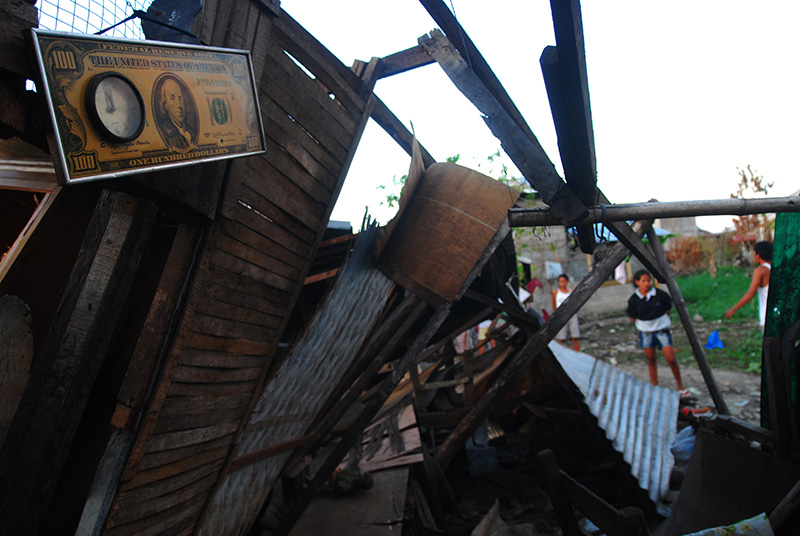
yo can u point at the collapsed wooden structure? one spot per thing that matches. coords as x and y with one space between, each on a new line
169 377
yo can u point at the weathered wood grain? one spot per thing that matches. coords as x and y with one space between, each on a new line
221 280
241 267
236 312
158 504
182 405
249 253
243 233
214 375
222 327
317 59
215 389
166 457
405 60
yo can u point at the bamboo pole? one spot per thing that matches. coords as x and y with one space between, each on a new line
686 320
534 217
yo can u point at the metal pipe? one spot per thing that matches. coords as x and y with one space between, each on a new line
538 217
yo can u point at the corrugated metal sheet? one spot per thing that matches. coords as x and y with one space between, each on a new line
638 418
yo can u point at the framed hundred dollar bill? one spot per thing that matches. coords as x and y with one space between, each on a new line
122 106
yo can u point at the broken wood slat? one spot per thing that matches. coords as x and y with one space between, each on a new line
398 131
688 326
287 79
330 274
176 423
73 351
523 357
525 151
290 89
404 61
430 386
337 78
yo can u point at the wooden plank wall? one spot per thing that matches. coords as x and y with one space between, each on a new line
273 212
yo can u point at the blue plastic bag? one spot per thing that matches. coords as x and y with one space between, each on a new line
714 341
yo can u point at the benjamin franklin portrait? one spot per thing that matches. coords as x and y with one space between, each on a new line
175 112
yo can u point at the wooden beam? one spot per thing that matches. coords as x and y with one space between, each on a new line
688 326
529 351
538 217
572 114
517 141
405 60
48 417
397 130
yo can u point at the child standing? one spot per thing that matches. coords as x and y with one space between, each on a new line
648 308
571 327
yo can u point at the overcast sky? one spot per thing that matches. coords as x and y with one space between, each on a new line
682 93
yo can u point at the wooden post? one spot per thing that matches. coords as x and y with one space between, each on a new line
562 505
40 438
686 320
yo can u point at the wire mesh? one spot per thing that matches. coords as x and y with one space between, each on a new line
78 17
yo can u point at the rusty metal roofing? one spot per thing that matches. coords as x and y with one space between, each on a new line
638 418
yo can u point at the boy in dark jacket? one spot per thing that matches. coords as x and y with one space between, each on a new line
648 307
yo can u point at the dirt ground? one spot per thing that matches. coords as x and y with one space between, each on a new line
615 341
